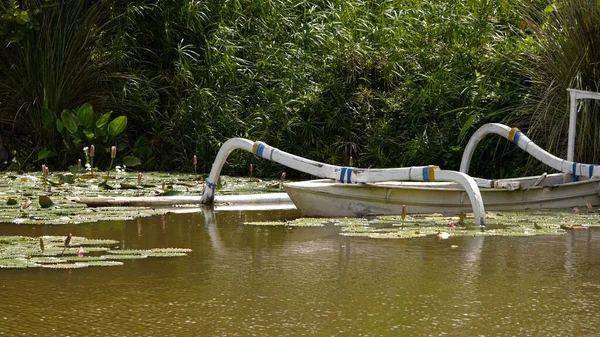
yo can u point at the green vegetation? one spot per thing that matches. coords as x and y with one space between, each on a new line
386 82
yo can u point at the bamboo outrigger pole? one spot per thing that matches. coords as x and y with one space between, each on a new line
348 175
522 141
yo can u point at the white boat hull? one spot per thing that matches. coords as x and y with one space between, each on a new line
325 198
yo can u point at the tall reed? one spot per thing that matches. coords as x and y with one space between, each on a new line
52 62
563 51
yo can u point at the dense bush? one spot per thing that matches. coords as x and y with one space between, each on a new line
386 82
562 51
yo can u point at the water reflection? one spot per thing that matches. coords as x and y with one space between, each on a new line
210 222
245 280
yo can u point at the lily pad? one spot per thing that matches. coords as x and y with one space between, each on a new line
75 265
45 201
124 256
16 263
165 254
47 260
171 250
128 251
104 263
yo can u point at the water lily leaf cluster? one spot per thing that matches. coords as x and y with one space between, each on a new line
35 200
53 252
535 222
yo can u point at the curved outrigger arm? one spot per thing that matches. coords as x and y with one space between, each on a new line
342 174
522 141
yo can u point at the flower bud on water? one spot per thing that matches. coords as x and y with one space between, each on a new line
92 151
113 152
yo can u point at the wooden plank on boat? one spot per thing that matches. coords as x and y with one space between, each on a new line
267 198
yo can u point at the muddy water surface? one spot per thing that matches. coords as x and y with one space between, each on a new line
244 280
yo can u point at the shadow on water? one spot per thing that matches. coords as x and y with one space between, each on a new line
245 280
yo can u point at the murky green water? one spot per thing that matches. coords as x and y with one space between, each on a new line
245 280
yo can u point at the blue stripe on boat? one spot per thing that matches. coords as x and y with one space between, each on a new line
591 170
349 175
260 149
425 173
575 172
516 138
342 174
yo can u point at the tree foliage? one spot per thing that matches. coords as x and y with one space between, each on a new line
386 82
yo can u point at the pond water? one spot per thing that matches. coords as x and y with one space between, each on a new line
243 280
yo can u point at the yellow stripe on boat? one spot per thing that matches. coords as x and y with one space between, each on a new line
432 168
512 133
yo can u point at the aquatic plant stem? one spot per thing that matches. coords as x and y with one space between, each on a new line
113 155
92 150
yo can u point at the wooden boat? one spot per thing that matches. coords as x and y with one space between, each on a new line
326 198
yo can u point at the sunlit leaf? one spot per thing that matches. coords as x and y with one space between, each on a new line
85 116
103 121
117 126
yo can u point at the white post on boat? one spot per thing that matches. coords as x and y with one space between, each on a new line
346 175
574 96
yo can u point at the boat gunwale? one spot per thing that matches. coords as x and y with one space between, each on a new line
306 188
435 186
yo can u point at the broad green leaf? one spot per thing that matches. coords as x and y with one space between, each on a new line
102 121
131 161
69 120
89 135
100 133
45 153
59 126
85 115
48 117
117 126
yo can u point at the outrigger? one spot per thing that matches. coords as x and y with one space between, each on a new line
349 191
